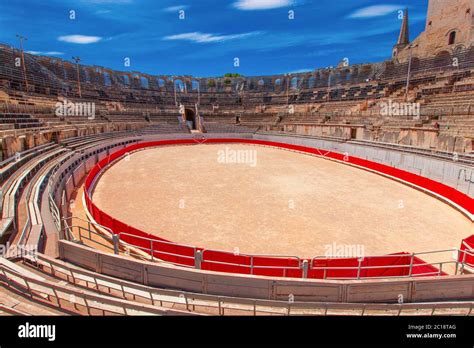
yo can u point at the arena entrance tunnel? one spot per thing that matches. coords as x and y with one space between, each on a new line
190 118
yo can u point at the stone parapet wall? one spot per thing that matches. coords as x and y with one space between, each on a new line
12 144
425 138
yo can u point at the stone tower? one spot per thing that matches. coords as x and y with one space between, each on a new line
449 27
404 37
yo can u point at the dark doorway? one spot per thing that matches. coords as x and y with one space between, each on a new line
353 133
190 117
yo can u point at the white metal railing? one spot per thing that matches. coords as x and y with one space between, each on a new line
411 266
251 266
457 260
152 249
222 305
89 232
77 301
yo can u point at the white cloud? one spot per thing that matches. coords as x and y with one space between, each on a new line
206 38
248 5
80 39
374 11
45 53
175 8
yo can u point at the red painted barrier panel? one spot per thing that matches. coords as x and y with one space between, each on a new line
357 267
247 264
321 268
393 265
176 253
269 265
227 257
226 268
467 251
386 266
279 272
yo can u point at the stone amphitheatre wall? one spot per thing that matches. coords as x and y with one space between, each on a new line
422 138
12 144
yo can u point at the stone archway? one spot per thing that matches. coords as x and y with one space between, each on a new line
442 59
190 119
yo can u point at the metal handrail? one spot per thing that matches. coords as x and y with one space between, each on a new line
411 266
252 265
192 300
155 259
412 256
89 223
358 268
152 250
69 235
39 288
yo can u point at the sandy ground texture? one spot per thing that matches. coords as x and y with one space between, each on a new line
275 202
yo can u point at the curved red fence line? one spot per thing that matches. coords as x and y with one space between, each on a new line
467 251
402 264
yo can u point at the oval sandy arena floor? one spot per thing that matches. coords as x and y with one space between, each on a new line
282 203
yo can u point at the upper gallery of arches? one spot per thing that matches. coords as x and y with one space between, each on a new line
449 32
105 77
64 73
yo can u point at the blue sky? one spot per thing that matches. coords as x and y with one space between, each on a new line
212 33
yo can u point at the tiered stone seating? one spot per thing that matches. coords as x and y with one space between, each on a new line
165 128
220 118
19 121
324 98
258 119
212 127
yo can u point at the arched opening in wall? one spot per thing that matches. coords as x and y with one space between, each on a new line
126 80
452 38
190 118
344 75
211 83
161 83
353 133
459 51
107 79
317 79
239 86
144 82
251 85
443 59
86 74
355 73
179 86
294 83
277 85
